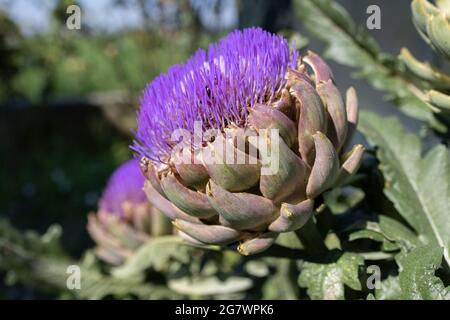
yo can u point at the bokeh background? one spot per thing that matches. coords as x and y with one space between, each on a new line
68 97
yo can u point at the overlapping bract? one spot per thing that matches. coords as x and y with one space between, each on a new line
432 23
220 203
125 219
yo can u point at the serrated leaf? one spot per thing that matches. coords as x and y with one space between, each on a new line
97 286
418 280
387 245
326 281
396 232
353 47
156 253
209 286
366 234
418 187
48 243
391 232
389 289
281 285
39 260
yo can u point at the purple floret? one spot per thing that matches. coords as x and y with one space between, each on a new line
215 87
125 184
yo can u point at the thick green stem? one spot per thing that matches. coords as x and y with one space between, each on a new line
312 240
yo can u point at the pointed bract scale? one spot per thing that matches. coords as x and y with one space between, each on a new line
443 6
287 173
220 159
242 211
350 164
439 100
189 239
438 30
124 187
312 118
325 168
112 256
208 234
164 205
239 137
257 244
322 71
351 106
99 234
294 75
421 9
144 164
284 104
332 99
191 169
191 202
139 216
109 248
292 216
265 117
424 70
129 238
152 176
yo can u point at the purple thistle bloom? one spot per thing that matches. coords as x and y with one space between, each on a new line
215 87
124 185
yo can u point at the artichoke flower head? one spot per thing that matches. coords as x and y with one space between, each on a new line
124 219
238 142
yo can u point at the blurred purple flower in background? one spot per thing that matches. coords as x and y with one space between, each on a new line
125 219
124 186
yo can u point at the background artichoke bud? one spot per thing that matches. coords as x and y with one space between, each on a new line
432 23
283 116
125 220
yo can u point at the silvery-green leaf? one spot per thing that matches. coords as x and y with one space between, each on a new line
418 186
35 260
281 284
209 286
366 234
157 254
326 281
418 280
389 289
393 234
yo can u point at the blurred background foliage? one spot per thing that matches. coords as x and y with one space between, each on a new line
62 63
68 97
